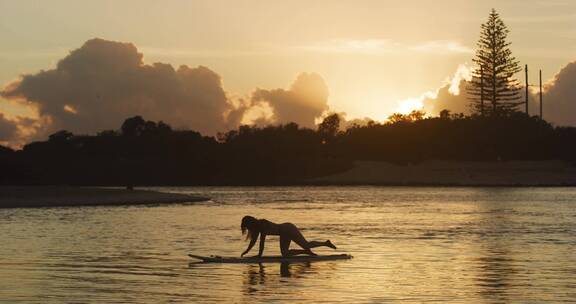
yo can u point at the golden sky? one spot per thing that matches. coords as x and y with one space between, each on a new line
371 54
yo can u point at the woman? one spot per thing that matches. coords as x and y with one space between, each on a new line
287 232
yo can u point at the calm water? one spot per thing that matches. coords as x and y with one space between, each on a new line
458 245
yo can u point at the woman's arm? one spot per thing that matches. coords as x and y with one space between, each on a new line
262 241
252 242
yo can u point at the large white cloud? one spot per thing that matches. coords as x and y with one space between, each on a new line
103 82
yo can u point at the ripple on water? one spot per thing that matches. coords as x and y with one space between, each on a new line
409 245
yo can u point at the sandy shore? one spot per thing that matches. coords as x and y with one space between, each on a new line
52 196
457 173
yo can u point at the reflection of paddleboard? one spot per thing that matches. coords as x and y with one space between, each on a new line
271 259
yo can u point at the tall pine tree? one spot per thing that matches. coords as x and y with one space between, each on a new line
493 90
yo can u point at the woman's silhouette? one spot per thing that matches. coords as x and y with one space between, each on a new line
254 227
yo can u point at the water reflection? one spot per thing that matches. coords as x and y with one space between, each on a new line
495 274
260 274
269 279
495 263
288 270
254 275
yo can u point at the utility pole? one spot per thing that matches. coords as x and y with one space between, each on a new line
541 94
494 106
482 91
526 72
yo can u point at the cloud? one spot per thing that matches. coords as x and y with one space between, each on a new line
15 131
103 82
441 46
387 46
100 84
19 122
305 101
8 129
447 99
260 114
559 97
451 95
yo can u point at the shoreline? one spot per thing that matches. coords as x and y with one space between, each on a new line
456 174
66 196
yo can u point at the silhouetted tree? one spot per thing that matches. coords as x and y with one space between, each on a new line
445 114
410 117
397 117
5 150
163 128
60 136
108 133
137 126
416 115
133 126
493 78
329 127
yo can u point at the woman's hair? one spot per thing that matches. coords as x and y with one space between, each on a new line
250 227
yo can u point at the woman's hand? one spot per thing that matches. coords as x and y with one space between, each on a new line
252 242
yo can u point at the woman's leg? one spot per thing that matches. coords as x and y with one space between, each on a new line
284 244
285 240
299 239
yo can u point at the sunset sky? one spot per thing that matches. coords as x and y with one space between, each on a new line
372 55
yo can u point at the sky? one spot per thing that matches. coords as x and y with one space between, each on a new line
369 58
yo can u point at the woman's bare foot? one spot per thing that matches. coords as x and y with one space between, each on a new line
329 244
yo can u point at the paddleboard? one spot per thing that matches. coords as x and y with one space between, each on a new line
270 259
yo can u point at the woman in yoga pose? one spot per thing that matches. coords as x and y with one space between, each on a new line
254 227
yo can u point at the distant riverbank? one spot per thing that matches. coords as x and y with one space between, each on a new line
456 173
56 196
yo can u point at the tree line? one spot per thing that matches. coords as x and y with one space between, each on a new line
145 152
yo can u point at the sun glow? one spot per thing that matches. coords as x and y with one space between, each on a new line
408 105
415 103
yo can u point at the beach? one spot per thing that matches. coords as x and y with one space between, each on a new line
456 173
56 196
